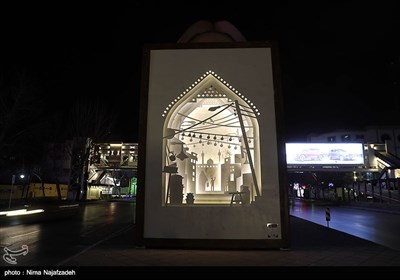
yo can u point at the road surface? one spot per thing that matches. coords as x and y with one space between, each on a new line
377 226
52 242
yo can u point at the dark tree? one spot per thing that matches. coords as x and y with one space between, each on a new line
21 122
91 122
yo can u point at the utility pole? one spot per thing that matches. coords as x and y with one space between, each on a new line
12 186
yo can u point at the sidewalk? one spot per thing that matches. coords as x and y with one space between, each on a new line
311 245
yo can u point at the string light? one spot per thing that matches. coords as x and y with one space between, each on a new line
202 77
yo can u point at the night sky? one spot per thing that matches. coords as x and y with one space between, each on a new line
339 60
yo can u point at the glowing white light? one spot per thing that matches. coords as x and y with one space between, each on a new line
30 212
12 211
20 212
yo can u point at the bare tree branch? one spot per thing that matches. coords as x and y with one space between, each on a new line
92 119
19 106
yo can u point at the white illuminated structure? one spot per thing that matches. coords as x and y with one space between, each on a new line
212 168
211 143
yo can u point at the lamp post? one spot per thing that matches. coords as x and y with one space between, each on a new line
12 186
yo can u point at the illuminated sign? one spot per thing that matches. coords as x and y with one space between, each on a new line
324 153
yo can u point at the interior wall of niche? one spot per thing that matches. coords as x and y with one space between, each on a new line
211 145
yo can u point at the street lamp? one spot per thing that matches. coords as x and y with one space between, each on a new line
212 109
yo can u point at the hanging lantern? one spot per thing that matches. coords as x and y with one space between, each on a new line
172 156
182 155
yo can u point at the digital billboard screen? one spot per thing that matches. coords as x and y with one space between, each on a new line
325 153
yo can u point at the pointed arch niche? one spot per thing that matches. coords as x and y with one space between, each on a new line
211 145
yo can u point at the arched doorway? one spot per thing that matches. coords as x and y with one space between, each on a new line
211 144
